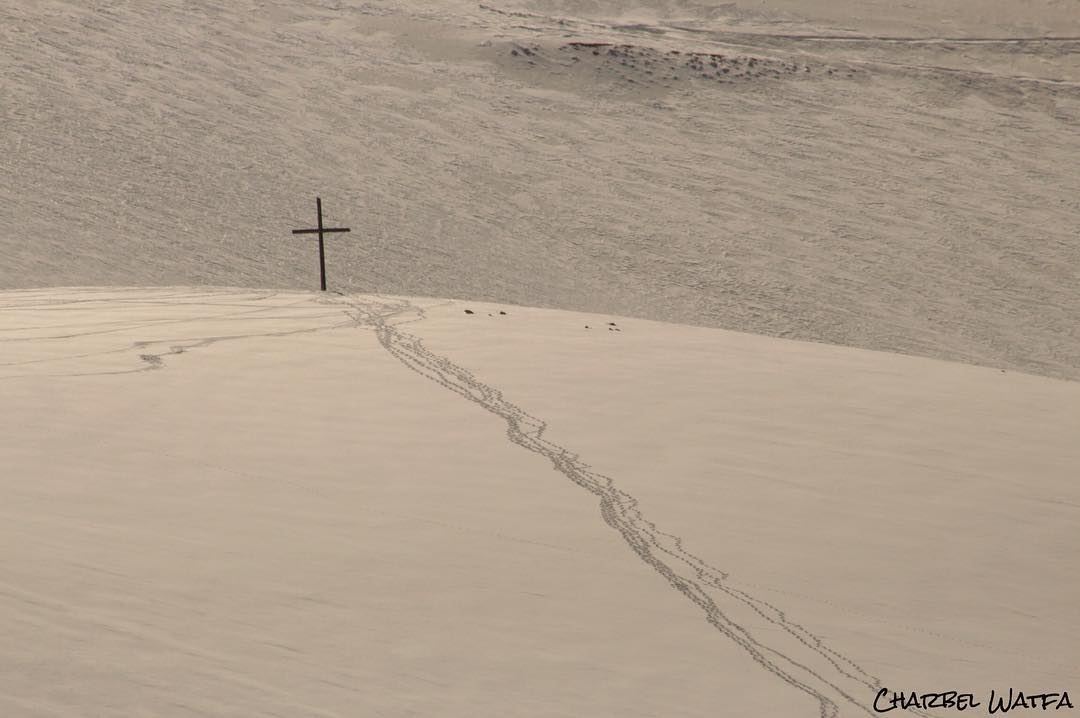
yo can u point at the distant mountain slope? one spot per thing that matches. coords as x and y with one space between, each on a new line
913 198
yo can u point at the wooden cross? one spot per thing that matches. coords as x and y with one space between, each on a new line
320 230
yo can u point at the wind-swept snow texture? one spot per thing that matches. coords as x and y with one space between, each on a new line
900 178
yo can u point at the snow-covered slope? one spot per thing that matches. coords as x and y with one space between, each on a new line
225 503
916 194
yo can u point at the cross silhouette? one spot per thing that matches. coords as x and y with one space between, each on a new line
320 230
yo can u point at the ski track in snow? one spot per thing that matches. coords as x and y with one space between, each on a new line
819 676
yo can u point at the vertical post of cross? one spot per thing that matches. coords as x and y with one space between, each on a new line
321 230
322 255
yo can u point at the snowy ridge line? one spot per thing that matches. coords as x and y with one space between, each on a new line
152 361
620 511
899 39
